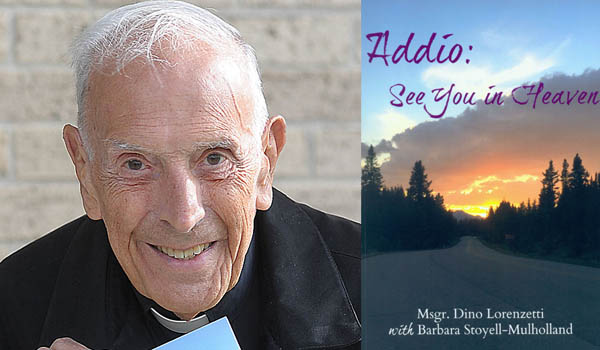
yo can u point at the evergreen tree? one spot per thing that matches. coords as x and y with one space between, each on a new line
548 194
542 230
400 192
503 222
418 189
579 177
373 231
439 200
395 192
575 209
564 176
371 178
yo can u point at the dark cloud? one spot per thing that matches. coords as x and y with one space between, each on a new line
364 148
384 146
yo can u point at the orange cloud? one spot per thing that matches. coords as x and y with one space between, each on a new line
490 183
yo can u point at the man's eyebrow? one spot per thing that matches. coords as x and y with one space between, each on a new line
226 143
200 145
126 146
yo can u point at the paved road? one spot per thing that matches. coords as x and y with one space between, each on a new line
472 276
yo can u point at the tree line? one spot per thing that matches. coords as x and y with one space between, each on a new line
396 219
563 221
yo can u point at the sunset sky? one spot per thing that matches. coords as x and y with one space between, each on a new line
479 156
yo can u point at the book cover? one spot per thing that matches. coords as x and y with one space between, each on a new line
480 175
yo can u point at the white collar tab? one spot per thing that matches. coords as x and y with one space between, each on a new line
180 326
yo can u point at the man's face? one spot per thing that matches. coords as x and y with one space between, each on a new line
176 173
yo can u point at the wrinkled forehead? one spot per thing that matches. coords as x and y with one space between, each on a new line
199 82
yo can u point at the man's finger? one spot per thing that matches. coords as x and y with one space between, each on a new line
67 344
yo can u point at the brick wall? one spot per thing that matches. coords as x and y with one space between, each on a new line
309 52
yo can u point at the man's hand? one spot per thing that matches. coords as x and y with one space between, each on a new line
65 344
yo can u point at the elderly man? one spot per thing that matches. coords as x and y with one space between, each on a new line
175 155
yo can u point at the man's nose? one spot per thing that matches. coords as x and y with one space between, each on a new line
181 203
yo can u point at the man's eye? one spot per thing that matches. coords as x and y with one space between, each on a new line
134 164
214 158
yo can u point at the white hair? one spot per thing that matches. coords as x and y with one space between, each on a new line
141 31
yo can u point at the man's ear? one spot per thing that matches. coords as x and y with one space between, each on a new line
83 169
273 140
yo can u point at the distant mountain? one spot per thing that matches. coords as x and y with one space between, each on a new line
460 215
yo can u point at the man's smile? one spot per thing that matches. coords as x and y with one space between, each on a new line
181 262
186 254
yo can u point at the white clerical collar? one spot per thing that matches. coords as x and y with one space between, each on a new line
180 326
